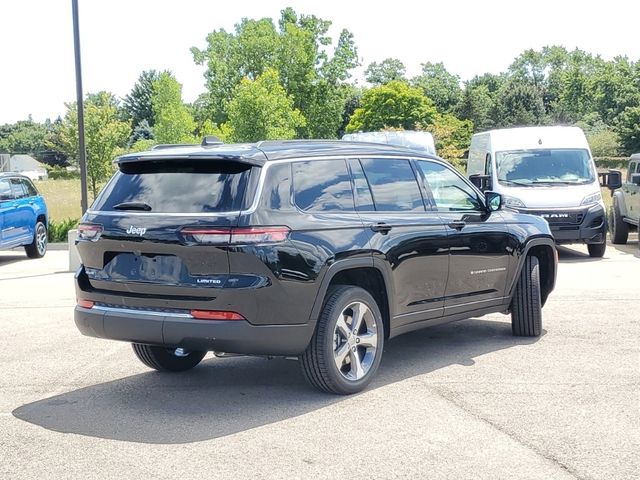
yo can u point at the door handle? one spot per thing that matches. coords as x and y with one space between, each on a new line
381 227
457 224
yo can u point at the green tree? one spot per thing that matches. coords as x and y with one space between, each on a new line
299 50
384 72
173 122
137 104
519 104
452 135
395 104
261 110
25 136
628 128
442 87
105 135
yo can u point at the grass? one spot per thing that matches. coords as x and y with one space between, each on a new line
63 198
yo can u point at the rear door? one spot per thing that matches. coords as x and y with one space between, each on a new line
25 218
163 228
406 235
9 231
478 241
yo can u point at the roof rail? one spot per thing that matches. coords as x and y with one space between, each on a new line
211 140
162 146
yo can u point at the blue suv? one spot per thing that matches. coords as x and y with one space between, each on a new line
23 215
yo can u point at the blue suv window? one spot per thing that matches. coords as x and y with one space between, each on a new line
5 191
322 186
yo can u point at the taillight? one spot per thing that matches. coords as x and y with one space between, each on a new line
216 315
235 236
85 303
89 231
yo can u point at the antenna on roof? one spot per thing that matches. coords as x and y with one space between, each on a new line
210 140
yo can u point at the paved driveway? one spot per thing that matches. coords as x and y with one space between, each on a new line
464 400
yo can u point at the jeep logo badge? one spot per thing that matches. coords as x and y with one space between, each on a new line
136 230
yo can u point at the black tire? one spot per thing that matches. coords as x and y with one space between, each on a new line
38 247
526 305
619 228
319 359
165 359
596 250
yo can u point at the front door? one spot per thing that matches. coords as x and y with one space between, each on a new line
478 241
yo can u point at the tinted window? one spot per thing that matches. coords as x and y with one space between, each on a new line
31 190
5 190
19 190
393 185
322 186
177 187
449 190
364 200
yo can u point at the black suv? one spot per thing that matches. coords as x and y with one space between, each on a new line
321 250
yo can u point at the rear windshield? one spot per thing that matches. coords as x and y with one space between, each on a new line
176 187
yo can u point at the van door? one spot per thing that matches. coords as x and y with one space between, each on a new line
478 241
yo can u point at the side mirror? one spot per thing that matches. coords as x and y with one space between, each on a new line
483 182
493 201
635 179
611 179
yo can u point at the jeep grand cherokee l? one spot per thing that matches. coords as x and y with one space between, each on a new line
322 250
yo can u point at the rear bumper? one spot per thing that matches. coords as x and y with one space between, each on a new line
182 330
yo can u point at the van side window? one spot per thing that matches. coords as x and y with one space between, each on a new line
322 186
393 185
449 191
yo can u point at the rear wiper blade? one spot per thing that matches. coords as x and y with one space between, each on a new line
133 206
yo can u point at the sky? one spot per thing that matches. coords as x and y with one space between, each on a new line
121 38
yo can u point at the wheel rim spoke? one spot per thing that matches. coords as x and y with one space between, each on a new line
368 340
359 311
340 355
357 370
342 326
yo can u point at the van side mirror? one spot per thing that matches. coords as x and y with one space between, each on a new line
611 179
493 201
635 179
483 182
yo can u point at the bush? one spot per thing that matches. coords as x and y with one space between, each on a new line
57 172
59 231
611 162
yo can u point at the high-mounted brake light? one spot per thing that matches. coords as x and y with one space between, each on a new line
236 236
85 303
89 231
216 315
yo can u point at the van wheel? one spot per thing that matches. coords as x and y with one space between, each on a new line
596 250
346 348
38 247
526 306
167 359
619 228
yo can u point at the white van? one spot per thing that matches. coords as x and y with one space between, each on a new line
546 171
420 141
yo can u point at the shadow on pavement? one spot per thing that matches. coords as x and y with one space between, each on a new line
12 258
225 396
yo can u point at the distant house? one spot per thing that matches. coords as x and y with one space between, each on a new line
24 164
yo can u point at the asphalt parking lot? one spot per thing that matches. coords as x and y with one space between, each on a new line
464 400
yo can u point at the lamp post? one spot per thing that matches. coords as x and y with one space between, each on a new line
80 105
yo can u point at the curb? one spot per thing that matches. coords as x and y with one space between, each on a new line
58 246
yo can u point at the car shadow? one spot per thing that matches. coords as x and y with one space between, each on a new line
569 255
225 396
8 258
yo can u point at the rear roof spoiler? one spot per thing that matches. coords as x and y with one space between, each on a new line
200 156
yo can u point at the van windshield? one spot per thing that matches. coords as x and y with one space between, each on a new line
562 166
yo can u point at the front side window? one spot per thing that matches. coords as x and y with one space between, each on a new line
549 166
176 187
450 192
322 186
393 185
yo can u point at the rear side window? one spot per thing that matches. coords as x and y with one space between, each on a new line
18 187
322 186
176 187
5 191
393 185
31 190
